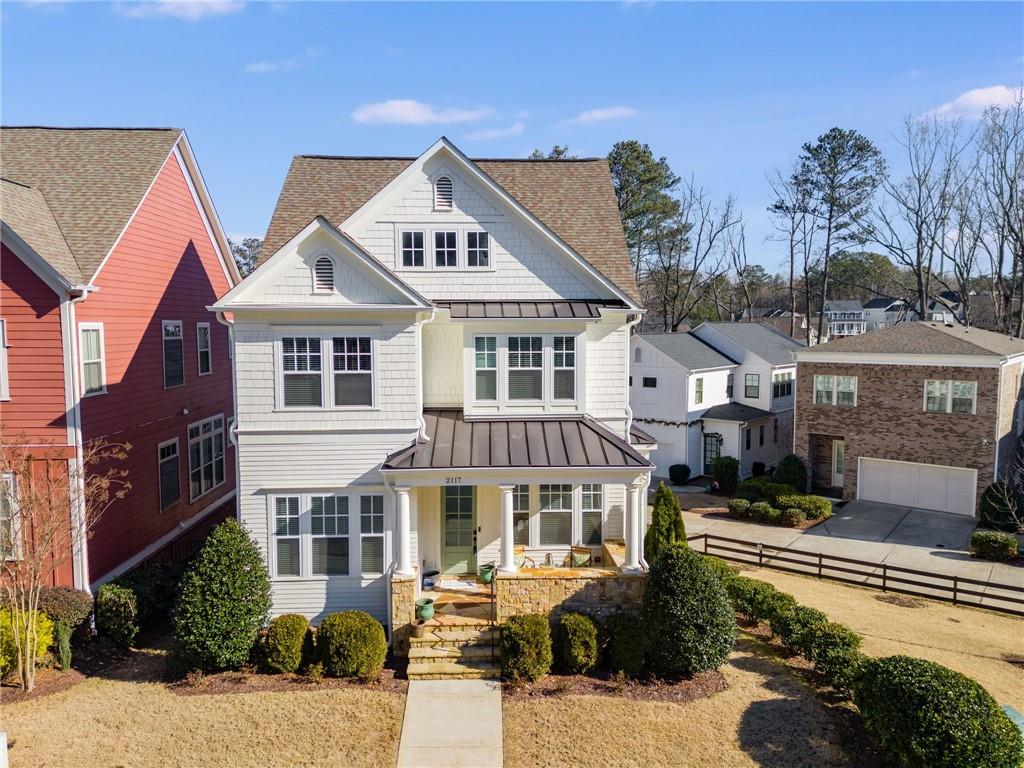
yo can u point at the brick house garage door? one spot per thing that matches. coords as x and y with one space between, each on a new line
925 486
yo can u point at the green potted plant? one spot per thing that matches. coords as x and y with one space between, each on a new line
486 574
425 608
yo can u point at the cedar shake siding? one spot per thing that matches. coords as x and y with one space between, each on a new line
165 267
889 420
31 309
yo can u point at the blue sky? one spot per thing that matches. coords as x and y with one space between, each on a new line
727 92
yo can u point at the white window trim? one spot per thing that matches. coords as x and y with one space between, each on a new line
383 535
160 475
603 490
576 518
163 354
757 385
103 358
313 536
949 396
326 371
496 368
575 368
574 511
9 479
209 349
429 230
400 256
490 250
834 390
5 384
334 274
458 265
546 374
224 448
305 567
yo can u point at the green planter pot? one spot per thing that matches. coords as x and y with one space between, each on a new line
425 608
486 575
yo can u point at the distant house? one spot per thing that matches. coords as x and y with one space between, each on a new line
844 317
883 312
111 250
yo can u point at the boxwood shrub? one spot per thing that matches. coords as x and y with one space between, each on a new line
626 641
117 614
760 510
755 599
835 651
726 471
815 507
679 474
792 471
993 545
793 517
763 489
66 605
351 644
928 716
690 623
724 569
526 647
576 643
283 645
739 508
792 626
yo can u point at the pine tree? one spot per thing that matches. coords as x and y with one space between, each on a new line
666 526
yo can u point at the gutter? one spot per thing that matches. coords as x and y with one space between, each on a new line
233 422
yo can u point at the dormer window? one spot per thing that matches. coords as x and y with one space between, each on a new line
443 194
323 275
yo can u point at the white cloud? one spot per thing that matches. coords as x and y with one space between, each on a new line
281 65
602 114
189 10
972 104
411 112
497 133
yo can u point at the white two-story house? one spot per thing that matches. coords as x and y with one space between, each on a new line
431 373
722 389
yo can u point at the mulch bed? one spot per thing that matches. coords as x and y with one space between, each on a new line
249 681
679 691
48 681
724 513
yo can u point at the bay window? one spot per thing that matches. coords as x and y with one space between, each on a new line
555 515
525 368
486 364
782 385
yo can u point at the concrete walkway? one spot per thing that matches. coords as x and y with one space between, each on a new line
451 724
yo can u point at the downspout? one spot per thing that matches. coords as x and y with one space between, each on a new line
630 325
642 512
421 435
233 424
75 421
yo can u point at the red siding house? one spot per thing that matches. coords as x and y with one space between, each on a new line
111 251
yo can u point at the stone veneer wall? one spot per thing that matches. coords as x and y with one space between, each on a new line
403 611
596 595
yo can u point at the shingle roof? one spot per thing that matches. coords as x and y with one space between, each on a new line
880 303
762 339
925 338
476 310
843 305
689 351
26 212
734 412
505 443
91 178
573 198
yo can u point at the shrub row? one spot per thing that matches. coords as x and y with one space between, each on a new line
994 545
763 489
763 512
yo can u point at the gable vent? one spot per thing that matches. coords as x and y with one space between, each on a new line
323 275
443 194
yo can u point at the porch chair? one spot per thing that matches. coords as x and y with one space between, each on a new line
579 557
522 560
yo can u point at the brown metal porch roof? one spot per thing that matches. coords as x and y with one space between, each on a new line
570 308
509 443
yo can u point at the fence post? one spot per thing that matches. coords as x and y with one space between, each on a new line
760 555
819 565
955 585
884 575
705 543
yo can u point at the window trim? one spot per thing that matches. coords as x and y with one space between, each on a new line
314 536
275 536
429 231
163 349
447 251
208 350
833 390
698 390
224 453
5 383
382 535
11 481
160 475
102 359
602 509
373 378
949 397
487 249
783 381
281 374
542 368
517 509
477 369
572 510
326 372
400 261
555 368
756 386
644 383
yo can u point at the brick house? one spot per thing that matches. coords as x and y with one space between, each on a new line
919 414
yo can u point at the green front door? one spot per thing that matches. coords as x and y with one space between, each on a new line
458 513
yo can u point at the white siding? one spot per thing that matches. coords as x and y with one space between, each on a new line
607 373
442 364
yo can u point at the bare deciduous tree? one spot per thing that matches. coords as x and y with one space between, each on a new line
794 217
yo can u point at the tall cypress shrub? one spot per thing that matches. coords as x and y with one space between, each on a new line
666 526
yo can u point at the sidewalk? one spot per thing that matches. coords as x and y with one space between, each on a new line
451 724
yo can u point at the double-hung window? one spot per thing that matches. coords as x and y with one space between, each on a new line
412 249
174 356
650 382
555 515
728 386
205 456
203 348
782 385
94 369
328 521
592 503
950 396
478 249
698 390
824 390
9 548
446 249
169 474
486 365
564 367
525 367
752 385
286 536
301 371
352 365
835 390
5 391
371 533
521 515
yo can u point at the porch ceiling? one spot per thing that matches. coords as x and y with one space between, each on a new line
513 443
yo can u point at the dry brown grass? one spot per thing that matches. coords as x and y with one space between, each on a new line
766 717
972 641
107 722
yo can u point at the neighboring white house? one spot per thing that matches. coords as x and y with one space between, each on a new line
844 317
883 313
722 389
431 372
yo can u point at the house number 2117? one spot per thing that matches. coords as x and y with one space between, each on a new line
452 480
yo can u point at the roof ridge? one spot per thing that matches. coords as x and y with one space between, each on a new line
316 156
85 128
16 183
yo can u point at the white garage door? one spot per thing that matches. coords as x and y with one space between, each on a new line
926 486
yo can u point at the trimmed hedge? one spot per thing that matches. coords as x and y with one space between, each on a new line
679 474
928 716
117 613
8 649
763 489
814 507
739 508
760 510
726 471
792 471
351 644
755 599
835 651
284 643
690 624
526 647
793 517
792 626
996 509
576 643
626 640
993 545
725 570
65 605
223 601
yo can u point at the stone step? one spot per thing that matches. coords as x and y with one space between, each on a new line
456 638
428 652
450 670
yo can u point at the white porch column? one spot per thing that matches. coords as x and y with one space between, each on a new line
633 539
508 557
404 533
